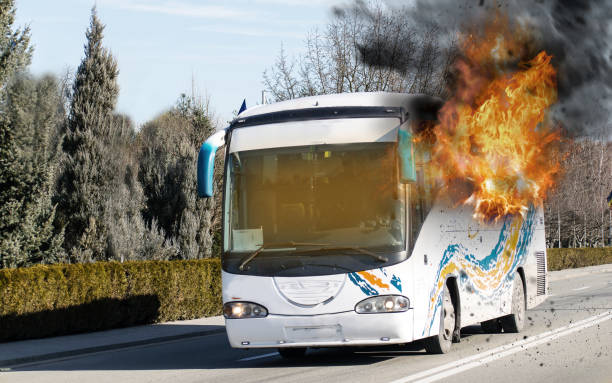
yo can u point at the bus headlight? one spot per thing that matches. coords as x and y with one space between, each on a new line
240 310
383 304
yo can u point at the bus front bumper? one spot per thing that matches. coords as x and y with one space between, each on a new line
327 330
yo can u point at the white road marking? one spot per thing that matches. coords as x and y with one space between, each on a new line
258 357
476 360
581 288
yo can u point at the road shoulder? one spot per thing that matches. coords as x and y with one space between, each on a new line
578 272
35 350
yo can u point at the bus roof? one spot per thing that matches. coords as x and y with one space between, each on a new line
408 102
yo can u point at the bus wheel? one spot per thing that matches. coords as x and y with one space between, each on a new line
515 321
492 326
292 352
441 343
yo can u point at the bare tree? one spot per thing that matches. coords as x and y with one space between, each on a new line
365 48
577 213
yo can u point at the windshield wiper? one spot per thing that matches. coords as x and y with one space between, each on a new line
274 246
355 248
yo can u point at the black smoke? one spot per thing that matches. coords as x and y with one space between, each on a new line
578 33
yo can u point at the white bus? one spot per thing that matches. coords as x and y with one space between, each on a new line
334 233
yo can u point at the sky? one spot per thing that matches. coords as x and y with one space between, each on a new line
164 46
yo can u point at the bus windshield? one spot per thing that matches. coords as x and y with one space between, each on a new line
313 210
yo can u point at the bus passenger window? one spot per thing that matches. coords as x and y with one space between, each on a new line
416 218
421 196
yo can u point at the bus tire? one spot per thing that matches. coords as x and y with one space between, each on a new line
441 343
515 321
292 352
492 326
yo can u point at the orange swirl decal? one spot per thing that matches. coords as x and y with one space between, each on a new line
373 279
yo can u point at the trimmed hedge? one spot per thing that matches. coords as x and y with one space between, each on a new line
63 299
559 259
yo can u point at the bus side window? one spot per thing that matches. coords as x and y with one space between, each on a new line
416 218
426 184
427 188
421 194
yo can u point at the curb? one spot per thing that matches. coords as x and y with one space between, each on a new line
107 347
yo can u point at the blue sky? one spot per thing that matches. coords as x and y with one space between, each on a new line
161 44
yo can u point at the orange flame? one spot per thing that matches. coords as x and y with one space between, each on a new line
494 133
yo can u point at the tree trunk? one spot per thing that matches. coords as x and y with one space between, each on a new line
603 228
558 227
584 243
574 238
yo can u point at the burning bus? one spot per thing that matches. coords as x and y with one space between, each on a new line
338 232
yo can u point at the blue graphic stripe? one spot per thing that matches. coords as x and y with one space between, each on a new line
489 262
363 284
395 281
486 264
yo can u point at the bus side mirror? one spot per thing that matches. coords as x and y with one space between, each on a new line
206 163
405 149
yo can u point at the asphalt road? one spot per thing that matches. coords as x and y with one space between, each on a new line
566 339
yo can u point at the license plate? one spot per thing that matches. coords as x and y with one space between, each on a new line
317 333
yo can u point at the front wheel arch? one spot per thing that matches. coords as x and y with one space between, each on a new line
440 343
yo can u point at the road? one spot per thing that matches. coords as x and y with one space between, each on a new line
566 339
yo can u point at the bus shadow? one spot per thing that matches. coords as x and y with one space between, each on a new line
471 330
346 356
214 353
358 355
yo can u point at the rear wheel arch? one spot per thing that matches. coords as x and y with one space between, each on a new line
453 288
515 321
521 272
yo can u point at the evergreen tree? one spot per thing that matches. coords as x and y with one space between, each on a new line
34 110
98 195
168 157
29 117
201 219
15 55
15 50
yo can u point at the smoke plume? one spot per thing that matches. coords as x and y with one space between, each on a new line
577 33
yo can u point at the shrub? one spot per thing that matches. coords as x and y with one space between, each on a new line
559 259
62 299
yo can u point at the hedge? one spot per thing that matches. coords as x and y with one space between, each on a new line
63 299
558 259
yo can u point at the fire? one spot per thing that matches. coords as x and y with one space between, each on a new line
494 138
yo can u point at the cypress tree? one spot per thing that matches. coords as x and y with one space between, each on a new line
15 55
15 50
91 169
29 116
200 220
168 157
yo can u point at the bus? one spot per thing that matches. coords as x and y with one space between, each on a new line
335 232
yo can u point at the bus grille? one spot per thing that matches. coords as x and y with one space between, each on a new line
541 266
310 291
